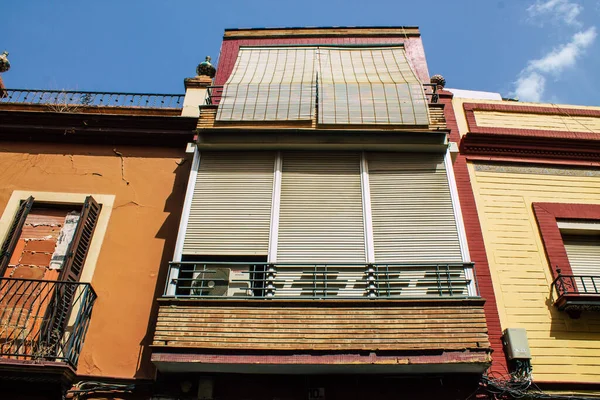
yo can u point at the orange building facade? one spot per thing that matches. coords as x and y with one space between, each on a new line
91 199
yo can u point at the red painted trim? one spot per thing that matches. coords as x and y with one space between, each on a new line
546 215
531 145
475 241
572 112
470 109
329 359
541 160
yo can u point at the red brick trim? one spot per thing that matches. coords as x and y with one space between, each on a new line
470 109
475 241
546 215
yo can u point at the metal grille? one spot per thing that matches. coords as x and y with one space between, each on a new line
577 284
68 100
321 281
28 308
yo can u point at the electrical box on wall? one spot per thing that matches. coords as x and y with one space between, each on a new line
516 344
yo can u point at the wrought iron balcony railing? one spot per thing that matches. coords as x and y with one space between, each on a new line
577 284
228 280
577 292
68 100
44 320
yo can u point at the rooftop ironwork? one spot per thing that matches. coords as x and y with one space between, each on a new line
63 100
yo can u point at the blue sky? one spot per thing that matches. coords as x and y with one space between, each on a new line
545 50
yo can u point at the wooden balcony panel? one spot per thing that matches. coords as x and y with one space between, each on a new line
345 326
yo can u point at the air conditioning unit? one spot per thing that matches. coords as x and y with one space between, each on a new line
216 280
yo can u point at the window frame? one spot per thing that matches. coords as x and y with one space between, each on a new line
105 201
171 288
547 216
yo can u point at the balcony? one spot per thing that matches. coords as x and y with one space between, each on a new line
321 281
409 135
43 324
321 318
577 293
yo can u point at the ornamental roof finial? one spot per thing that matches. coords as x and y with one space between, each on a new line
206 68
4 63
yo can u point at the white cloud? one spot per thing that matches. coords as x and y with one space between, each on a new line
531 82
562 11
530 86
560 58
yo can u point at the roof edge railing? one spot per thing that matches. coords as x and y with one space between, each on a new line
71 100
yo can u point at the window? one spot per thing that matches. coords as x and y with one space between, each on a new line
325 223
41 263
62 234
353 85
571 237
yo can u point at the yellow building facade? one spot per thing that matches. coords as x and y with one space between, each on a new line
534 172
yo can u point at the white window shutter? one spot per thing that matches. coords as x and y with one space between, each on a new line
412 214
231 205
321 214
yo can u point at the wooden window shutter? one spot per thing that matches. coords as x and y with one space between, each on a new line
64 294
13 234
78 249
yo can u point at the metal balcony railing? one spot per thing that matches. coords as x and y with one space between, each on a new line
68 100
577 284
44 320
228 280
215 93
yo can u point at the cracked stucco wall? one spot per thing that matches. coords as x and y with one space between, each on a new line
149 187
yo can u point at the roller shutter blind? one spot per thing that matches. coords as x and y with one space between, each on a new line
231 205
411 206
321 214
269 84
584 253
369 86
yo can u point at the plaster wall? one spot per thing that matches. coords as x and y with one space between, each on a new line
142 191
563 349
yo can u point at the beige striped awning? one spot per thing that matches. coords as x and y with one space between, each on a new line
353 85
369 86
270 84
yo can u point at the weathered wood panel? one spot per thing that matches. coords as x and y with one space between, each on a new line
292 327
562 122
562 348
